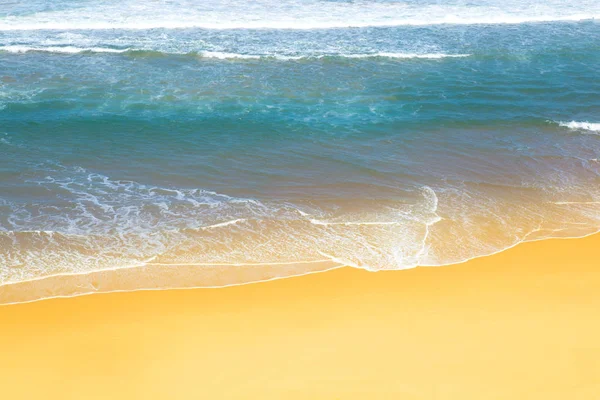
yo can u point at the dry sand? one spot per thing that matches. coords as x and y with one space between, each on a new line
523 324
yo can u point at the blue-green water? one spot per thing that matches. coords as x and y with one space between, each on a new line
376 134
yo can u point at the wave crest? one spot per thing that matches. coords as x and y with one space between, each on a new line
581 125
295 25
59 49
291 14
224 55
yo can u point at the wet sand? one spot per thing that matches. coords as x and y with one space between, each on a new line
522 324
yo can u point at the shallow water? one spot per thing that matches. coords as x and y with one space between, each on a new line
269 139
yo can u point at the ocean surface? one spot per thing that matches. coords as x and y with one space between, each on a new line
179 143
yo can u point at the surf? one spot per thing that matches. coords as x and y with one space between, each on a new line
291 15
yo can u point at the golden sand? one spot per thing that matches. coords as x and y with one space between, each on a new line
523 324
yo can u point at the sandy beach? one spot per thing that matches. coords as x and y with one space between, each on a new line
300 200
522 324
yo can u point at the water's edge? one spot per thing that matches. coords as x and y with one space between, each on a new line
183 277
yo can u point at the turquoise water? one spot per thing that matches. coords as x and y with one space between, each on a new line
375 134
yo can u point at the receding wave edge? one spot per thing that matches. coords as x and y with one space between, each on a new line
92 282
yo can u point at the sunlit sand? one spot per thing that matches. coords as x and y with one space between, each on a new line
522 324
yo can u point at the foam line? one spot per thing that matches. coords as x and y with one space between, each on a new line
222 224
60 49
12 25
340 263
334 267
225 55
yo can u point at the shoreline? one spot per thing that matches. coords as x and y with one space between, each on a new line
122 276
523 322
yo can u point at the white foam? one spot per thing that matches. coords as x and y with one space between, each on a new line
223 224
405 55
100 222
105 206
59 49
226 55
295 14
587 126
293 25
286 57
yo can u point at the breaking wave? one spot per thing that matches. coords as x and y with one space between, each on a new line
59 49
295 24
224 55
585 126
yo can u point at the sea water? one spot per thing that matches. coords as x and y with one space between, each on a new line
187 143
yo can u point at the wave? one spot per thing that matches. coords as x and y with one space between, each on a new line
59 49
293 25
153 276
404 55
90 222
223 55
284 57
102 234
581 125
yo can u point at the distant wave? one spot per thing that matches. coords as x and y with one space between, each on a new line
576 125
60 49
223 55
406 55
14 25
289 14
284 57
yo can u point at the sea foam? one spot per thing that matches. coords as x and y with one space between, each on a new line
59 49
582 125
293 25
225 55
294 14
